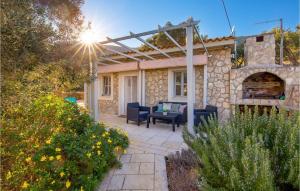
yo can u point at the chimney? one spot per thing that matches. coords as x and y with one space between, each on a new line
260 50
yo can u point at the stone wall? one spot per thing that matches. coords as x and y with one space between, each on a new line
218 70
199 86
111 106
156 86
260 52
289 74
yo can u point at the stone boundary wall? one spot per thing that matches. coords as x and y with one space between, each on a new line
289 74
111 106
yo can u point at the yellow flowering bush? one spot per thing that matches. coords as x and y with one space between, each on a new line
52 145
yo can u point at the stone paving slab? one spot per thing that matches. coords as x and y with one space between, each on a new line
143 167
139 182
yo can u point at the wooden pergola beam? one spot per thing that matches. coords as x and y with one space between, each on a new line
172 39
131 49
121 53
166 28
109 59
150 45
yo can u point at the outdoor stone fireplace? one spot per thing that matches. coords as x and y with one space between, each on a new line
263 85
262 82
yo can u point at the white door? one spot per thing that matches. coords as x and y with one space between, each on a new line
130 91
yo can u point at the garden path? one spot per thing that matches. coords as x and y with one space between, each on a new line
143 166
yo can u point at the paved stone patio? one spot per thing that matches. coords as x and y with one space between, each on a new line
143 166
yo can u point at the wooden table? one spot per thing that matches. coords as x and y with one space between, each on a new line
173 117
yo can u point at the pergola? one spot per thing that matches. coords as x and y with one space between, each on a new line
190 26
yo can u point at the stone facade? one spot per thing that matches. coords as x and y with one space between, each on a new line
260 52
218 70
111 106
289 74
199 86
156 86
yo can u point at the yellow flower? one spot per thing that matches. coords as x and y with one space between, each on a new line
53 182
58 157
43 158
81 188
125 151
36 146
98 143
51 158
69 118
61 174
93 136
98 152
88 155
8 176
98 146
25 184
48 141
68 184
28 159
109 141
93 147
58 149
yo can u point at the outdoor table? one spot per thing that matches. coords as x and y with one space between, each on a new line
159 115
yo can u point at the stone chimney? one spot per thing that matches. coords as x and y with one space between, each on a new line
260 50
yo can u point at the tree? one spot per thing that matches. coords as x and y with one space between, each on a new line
36 44
291 44
160 40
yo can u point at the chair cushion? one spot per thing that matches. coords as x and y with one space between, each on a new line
159 108
181 108
167 106
143 112
175 108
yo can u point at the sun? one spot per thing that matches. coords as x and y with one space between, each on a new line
88 37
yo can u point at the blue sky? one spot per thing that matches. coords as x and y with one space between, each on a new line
116 18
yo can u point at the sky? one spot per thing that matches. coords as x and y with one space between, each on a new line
115 18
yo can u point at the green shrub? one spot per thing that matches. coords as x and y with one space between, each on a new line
52 145
250 152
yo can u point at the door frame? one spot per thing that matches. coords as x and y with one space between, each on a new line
121 89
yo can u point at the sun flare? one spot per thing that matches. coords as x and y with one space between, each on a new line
88 37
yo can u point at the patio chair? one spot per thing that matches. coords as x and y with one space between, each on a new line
205 114
137 113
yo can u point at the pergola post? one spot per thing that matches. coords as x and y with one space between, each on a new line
190 79
96 107
94 91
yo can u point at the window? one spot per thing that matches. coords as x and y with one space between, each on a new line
259 38
106 86
180 83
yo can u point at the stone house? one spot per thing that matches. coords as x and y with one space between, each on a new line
259 82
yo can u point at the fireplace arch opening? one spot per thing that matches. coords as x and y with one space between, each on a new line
263 85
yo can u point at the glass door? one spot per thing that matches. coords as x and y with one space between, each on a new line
130 90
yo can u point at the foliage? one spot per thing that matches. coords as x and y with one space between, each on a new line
251 152
36 52
291 44
52 145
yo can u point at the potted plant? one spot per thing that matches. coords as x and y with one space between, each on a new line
165 112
